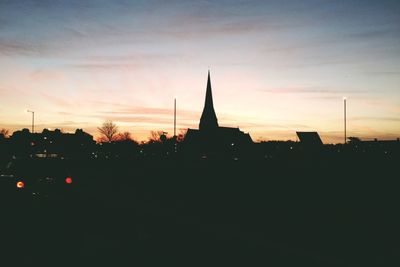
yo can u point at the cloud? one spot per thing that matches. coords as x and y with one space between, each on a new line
127 109
128 61
46 74
309 90
59 28
104 66
321 92
141 57
195 28
13 47
148 115
70 123
61 102
382 73
139 119
380 33
65 113
370 118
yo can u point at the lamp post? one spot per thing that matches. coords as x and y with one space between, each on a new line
33 120
175 117
345 114
175 137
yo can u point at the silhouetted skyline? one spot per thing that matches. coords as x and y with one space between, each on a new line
277 67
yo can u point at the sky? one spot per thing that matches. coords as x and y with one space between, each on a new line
277 67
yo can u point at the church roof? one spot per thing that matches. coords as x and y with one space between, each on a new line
220 134
309 138
210 134
208 118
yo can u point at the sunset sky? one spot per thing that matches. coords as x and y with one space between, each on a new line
277 67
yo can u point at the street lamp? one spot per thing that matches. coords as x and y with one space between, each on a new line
33 119
344 111
175 117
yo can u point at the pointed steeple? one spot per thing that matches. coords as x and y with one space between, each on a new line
208 120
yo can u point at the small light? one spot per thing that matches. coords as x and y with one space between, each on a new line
20 184
68 180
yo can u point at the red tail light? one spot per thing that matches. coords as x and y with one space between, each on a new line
68 180
20 184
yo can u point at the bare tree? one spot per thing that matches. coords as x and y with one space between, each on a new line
155 136
108 130
353 139
125 136
181 136
5 132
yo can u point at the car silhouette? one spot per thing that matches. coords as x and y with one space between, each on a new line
44 178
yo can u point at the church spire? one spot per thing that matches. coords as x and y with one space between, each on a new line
208 118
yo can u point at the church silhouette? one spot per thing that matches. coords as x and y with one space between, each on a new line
211 139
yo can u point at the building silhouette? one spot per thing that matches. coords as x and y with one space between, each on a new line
52 144
211 139
208 120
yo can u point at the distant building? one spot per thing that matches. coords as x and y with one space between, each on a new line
389 147
310 142
309 139
210 138
52 144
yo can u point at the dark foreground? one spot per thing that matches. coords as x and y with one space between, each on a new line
266 213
